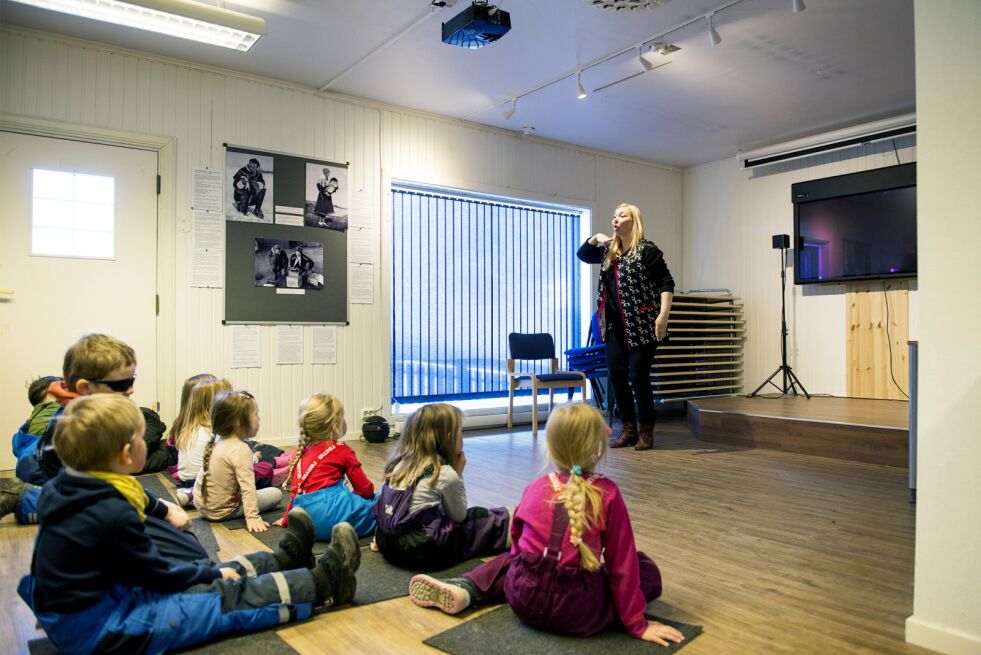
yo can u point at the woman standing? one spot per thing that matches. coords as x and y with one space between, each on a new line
633 301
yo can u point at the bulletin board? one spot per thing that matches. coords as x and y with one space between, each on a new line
285 238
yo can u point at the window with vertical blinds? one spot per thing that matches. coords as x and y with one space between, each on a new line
468 270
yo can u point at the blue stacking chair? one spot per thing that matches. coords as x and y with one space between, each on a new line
591 360
538 347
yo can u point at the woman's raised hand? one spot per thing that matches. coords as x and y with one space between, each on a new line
598 239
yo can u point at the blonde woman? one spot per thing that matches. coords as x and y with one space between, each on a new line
633 301
574 568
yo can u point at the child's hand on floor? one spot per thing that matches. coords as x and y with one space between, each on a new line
256 525
662 634
228 574
177 517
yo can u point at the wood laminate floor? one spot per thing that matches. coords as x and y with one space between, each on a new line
771 552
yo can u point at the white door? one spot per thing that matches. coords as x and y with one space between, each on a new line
98 204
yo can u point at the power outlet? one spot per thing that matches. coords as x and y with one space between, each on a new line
369 411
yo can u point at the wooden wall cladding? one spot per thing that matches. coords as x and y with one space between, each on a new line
876 341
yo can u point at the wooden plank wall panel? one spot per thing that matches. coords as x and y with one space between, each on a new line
877 334
52 77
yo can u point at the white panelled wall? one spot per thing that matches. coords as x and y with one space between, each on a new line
731 213
49 77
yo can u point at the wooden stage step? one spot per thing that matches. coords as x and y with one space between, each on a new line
860 430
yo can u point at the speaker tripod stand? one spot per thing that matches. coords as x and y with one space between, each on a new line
790 381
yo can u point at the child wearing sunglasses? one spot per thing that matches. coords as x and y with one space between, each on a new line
225 486
95 364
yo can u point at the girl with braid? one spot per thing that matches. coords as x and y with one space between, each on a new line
319 467
573 566
225 486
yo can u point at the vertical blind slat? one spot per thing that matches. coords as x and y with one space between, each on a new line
466 272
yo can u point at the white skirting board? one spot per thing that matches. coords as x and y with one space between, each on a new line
943 639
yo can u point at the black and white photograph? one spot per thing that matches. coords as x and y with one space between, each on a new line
248 187
289 264
326 205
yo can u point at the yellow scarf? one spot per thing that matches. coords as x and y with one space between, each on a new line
128 487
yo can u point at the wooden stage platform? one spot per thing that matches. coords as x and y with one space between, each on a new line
871 431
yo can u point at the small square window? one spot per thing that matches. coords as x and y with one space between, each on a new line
73 215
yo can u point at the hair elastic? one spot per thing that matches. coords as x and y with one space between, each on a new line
576 469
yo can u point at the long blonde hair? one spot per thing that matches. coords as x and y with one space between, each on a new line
181 419
230 416
618 248
428 441
575 436
319 419
198 410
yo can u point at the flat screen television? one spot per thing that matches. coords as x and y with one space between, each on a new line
860 226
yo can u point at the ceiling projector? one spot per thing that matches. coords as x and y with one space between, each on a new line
478 25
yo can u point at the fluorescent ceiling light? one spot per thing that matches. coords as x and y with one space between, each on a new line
181 18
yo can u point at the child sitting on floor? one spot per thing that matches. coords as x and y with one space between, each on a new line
423 520
45 395
319 467
195 432
573 568
225 486
98 583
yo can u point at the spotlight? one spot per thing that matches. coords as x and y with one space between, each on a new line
713 34
798 6
582 90
648 66
510 111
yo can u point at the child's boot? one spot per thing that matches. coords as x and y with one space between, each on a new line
11 490
334 574
628 437
452 595
295 550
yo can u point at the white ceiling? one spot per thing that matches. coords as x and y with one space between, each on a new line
775 76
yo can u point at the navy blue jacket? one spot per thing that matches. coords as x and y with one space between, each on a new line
90 539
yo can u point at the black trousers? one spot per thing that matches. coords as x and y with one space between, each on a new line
630 375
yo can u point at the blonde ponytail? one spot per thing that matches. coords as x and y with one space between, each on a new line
582 502
300 448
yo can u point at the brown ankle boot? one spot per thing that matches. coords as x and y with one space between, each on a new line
646 438
628 437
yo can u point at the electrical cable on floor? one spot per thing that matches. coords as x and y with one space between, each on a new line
885 297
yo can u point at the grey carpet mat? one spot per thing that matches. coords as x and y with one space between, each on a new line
268 517
152 483
272 536
378 580
206 537
501 631
267 643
